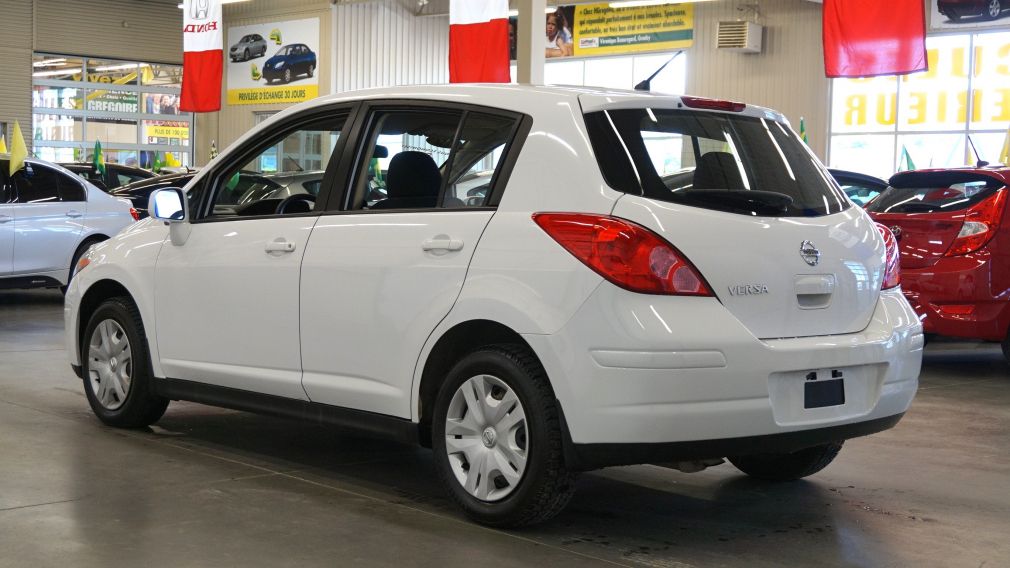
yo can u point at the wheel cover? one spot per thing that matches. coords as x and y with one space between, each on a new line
486 438
110 364
994 8
287 74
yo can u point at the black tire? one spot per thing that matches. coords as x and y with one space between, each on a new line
287 76
312 69
141 407
954 17
1006 348
788 467
245 54
547 485
990 7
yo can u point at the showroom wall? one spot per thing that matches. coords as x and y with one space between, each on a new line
788 74
16 58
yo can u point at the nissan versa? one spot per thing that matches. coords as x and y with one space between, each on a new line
644 279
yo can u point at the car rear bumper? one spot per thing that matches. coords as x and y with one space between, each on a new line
633 369
956 297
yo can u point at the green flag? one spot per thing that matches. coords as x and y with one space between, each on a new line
803 131
905 161
156 164
99 158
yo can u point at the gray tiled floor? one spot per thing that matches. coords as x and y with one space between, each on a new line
211 487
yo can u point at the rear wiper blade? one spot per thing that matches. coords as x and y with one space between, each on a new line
759 201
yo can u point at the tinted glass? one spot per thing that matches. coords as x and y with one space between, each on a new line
738 164
933 192
478 153
37 184
268 182
70 189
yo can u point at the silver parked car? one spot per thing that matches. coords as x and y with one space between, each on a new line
249 47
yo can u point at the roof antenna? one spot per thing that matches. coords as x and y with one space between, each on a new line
646 85
980 163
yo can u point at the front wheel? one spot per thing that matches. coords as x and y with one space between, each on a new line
992 9
497 439
287 75
788 467
116 367
312 70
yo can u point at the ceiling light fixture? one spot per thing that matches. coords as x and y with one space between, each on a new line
181 6
55 73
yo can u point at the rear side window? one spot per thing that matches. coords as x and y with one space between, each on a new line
933 192
739 164
37 184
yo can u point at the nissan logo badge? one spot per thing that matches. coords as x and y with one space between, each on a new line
809 253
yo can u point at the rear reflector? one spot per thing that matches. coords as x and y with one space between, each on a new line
980 224
625 253
712 104
892 268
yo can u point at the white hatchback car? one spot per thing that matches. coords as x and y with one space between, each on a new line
48 217
645 279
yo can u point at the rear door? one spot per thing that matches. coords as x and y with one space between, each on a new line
49 210
926 210
387 262
751 207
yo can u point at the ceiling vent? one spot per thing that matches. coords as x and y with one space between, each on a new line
742 37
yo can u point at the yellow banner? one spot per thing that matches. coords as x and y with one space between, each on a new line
271 95
167 132
602 30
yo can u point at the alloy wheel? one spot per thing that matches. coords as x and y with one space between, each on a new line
486 438
287 75
994 9
110 364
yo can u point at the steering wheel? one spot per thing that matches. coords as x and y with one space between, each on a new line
298 203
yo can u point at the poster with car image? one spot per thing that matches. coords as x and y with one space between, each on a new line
969 14
275 62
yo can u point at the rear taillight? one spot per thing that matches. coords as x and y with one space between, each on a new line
133 212
980 224
892 268
626 254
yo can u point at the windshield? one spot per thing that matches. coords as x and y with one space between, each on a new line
933 192
739 164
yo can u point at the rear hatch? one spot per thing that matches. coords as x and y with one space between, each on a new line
926 210
751 207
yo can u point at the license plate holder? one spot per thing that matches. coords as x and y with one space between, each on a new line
820 394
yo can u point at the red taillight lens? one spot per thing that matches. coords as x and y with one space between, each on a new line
133 212
980 224
626 254
712 104
892 268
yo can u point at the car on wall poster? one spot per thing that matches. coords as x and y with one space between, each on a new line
969 13
262 68
290 62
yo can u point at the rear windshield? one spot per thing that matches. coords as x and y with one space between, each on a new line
746 165
933 192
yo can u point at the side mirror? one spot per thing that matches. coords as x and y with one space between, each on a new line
167 204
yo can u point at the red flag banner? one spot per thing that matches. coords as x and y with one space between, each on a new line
479 41
864 38
203 56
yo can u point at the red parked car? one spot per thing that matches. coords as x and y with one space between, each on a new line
954 238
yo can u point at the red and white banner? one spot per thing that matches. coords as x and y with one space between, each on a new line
479 41
864 38
203 56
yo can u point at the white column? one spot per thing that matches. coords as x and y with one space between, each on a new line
530 41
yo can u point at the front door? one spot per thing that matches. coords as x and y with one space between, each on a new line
228 298
6 223
385 267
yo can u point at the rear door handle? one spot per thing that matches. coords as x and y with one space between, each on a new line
281 245
442 242
5 219
73 214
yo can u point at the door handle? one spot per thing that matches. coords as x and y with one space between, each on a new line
73 214
5 219
280 245
442 242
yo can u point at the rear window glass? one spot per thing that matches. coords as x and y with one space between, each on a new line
933 192
739 164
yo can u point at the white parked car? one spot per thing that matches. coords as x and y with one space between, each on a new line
48 218
594 306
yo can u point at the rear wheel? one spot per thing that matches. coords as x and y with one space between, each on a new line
788 467
116 367
497 439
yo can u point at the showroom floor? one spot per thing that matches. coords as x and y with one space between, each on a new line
211 487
